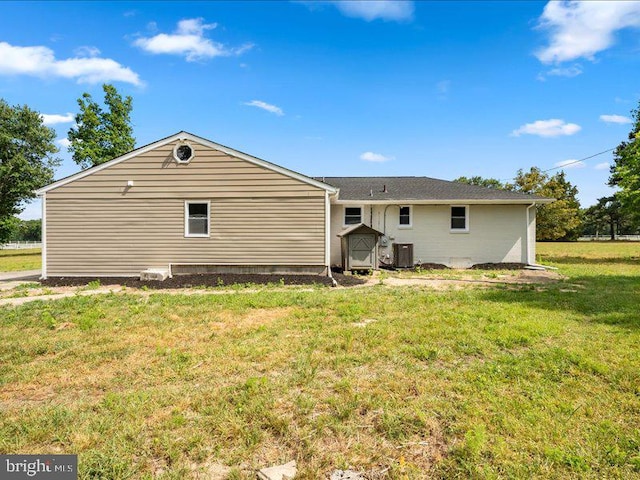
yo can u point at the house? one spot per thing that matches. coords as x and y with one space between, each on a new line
186 204
448 223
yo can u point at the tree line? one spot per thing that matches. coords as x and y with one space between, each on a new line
24 230
103 132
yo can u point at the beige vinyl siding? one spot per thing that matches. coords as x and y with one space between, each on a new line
497 233
155 175
98 226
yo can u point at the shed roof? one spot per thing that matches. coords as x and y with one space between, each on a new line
360 228
386 189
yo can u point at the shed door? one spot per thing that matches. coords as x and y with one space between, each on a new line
362 250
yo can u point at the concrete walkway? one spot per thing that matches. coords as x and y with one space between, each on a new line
20 275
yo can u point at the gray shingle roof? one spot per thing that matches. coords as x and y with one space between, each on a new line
418 188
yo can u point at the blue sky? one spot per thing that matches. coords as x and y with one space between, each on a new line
440 89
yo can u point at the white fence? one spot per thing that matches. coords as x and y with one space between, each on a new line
20 245
601 238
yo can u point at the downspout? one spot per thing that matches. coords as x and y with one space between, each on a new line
528 219
327 237
43 274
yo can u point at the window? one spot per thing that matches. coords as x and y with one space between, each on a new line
459 219
196 222
352 215
405 217
183 153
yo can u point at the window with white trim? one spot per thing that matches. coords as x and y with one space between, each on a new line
183 152
459 218
404 220
196 218
352 215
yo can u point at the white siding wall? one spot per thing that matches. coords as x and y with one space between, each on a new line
497 233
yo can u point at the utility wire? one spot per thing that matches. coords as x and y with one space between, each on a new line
581 160
568 163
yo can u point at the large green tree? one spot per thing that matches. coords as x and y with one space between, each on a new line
481 182
560 220
102 134
625 172
26 231
27 160
608 217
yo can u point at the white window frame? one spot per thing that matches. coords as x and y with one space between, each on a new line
410 224
344 215
175 152
186 219
466 219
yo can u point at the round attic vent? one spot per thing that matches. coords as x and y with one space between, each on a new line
183 152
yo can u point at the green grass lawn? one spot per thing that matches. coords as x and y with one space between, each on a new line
514 382
15 260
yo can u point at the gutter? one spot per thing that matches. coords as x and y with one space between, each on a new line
449 201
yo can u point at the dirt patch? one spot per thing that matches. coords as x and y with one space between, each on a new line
522 277
537 276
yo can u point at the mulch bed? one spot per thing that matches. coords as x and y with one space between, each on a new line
432 266
350 280
498 266
206 280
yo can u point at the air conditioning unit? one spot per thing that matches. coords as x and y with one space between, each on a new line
403 255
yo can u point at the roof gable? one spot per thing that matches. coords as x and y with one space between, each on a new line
196 139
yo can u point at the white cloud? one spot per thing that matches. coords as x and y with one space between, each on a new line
615 119
553 127
572 71
369 10
63 142
570 164
265 106
602 166
54 118
87 51
374 157
189 41
569 72
580 29
41 62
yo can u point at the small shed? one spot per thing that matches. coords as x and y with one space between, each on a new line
360 247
